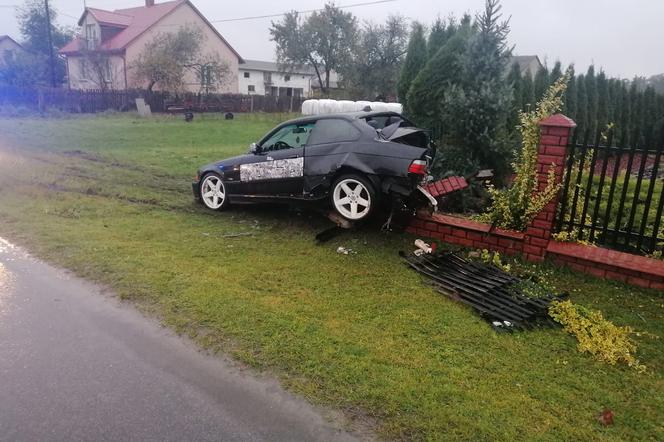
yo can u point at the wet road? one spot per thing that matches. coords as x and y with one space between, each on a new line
76 364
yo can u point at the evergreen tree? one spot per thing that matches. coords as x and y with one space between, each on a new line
527 92
556 72
602 100
570 99
514 79
591 93
441 71
416 58
541 82
474 111
625 110
649 110
634 95
581 106
440 32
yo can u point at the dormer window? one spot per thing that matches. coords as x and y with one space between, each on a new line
91 36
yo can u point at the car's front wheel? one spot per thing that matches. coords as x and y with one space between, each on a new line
213 192
353 197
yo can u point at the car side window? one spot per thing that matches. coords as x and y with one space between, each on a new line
333 130
288 137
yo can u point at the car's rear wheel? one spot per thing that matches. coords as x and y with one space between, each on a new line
353 197
213 192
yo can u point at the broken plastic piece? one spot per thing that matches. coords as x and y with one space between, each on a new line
426 248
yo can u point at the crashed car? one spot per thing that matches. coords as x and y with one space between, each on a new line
351 162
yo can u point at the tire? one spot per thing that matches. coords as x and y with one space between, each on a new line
353 197
212 186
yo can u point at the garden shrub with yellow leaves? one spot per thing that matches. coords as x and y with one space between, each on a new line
601 338
516 206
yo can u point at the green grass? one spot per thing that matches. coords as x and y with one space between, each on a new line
110 198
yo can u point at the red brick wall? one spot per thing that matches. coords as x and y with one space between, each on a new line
535 243
467 233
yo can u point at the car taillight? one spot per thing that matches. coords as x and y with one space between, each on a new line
418 167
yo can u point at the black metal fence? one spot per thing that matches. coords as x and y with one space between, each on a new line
92 101
614 195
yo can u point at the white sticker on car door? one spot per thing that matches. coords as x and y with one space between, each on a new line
270 170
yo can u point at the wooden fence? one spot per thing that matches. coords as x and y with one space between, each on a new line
92 101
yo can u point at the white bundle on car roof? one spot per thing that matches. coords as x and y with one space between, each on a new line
327 106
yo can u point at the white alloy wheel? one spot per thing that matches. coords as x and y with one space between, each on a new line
213 192
351 199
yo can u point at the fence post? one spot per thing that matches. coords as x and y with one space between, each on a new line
555 132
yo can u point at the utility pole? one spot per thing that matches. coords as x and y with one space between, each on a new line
50 44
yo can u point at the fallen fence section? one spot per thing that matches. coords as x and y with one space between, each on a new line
491 292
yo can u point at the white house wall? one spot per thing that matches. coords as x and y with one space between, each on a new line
256 78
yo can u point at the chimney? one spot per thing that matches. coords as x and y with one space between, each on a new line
149 3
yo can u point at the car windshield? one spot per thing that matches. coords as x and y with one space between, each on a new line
292 135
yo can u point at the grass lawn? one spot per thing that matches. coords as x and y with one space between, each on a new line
109 197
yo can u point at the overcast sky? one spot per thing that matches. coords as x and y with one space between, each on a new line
624 38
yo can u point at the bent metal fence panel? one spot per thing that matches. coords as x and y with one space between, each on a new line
614 195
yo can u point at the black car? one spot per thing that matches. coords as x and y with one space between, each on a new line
354 161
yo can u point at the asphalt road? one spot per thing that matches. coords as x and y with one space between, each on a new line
76 364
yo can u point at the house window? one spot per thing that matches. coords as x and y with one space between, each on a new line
251 88
91 36
106 70
8 56
286 77
84 68
206 75
246 75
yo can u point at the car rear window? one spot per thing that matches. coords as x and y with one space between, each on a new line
333 131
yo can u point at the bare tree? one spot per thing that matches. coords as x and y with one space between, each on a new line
378 55
98 68
211 71
324 41
168 57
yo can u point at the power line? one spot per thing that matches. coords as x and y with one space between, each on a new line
256 17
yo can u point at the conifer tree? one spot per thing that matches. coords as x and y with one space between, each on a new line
556 72
514 78
416 58
570 99
440 32
602 100
581 105
527 92
634 109
591 93
427 89
541 82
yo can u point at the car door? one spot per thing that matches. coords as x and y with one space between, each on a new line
281 171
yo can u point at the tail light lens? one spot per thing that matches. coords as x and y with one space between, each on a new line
418 167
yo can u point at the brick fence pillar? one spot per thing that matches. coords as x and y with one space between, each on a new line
555 132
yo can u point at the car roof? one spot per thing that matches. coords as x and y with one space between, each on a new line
341 115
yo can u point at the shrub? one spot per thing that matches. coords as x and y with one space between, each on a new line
516 206
599 337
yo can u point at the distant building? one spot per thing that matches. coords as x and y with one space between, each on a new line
122 34
266 78
528 64
9 49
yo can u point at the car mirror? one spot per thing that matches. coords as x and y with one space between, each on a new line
253 148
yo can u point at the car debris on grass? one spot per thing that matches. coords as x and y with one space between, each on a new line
490 291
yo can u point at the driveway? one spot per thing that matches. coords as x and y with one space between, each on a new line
76 364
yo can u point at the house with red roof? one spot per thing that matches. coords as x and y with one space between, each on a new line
9 49
121 36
